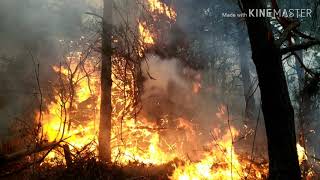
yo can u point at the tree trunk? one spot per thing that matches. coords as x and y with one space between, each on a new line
67 155
276 105
304 100
106 83
304 111
246 79
301 80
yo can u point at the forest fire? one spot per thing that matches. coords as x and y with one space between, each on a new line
59 123
145 34
301 153
159 7
74 115
132 139
220 163
171 115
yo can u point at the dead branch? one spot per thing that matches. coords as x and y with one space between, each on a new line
254 142
309 71
95 15
284 36
231 134
7 158
28 165
301 46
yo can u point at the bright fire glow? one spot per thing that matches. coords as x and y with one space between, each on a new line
220 163
133 139
73 115
76 121
301 153
156 6
145 34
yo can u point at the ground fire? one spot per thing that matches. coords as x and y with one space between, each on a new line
162 126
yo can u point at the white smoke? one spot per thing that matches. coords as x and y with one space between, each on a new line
159 73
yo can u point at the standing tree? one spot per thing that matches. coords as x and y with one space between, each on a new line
106 83
248 86
276 105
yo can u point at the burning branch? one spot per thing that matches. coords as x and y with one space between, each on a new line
7 158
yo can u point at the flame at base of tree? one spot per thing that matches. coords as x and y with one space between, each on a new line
72 117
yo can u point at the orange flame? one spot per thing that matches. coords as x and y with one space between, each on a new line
220 163
74 117
133 139
159 7
145 34
301 153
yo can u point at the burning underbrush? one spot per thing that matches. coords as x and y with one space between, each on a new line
165 124
153 139
161 134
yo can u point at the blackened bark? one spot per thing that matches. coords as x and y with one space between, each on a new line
67 155
276 105
106 83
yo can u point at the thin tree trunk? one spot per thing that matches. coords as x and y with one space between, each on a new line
276 105
301 80
106 83
304 112
246 79
305 102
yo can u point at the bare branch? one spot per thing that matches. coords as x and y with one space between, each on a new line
309 71
301 46
93 14
27 152
286 33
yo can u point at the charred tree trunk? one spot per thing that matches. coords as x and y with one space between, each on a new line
106 83
246 79
276 105
67 155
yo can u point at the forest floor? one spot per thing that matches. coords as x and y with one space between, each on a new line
89 170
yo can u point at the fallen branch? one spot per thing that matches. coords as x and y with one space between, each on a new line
27 165
7 158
